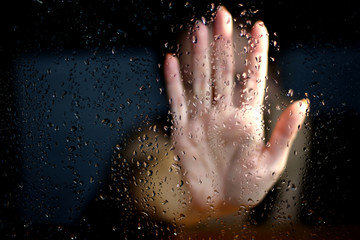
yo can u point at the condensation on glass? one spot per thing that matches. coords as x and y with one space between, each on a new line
86 123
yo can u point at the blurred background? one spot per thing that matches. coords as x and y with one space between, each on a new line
77 76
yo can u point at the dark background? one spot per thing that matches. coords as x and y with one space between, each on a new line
73 24
35 26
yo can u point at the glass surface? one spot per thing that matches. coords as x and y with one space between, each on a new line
86 120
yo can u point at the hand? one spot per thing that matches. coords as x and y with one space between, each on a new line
218 127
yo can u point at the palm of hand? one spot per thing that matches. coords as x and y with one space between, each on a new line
218 128
218 150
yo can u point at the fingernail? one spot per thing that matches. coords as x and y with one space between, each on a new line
222 8
169 56
223 22
258 23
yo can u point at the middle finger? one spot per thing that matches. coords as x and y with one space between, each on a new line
223 57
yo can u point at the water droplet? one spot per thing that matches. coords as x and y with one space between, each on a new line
102 197
177 167
310 212
133 59
105 121
71 148
180 184
290 93
182 216
203 19
145 213
194 39
119 120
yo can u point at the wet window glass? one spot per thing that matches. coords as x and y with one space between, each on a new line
179 119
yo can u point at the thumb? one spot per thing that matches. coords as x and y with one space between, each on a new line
284 134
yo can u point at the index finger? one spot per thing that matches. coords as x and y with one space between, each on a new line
256 65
